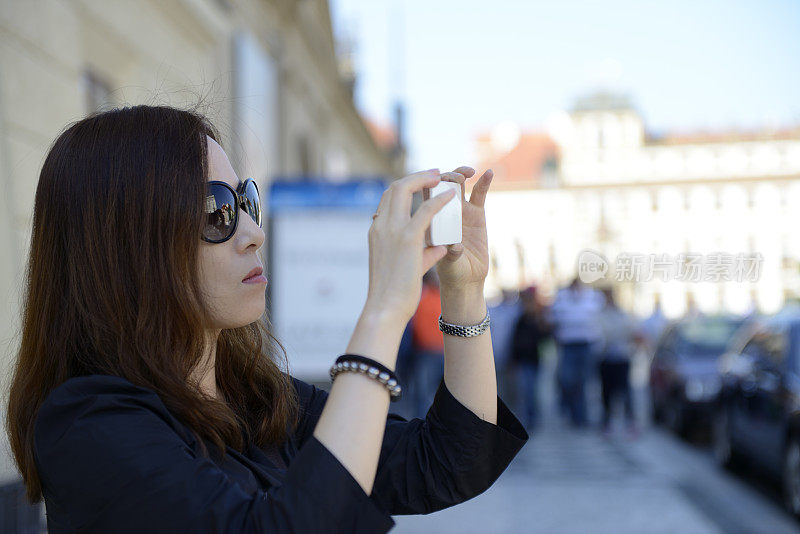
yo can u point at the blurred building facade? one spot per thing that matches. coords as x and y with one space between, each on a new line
596 180
266 72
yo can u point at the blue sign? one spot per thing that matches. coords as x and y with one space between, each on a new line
357 195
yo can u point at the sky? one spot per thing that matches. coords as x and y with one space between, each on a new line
462 67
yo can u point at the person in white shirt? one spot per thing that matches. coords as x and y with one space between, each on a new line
574 315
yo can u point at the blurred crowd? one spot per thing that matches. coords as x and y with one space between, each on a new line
592 337
577 359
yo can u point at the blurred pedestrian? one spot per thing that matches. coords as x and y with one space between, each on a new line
620 335
574 314
405 370
428 343
654 325
530 329
504 316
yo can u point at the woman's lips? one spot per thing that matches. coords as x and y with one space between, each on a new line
255 276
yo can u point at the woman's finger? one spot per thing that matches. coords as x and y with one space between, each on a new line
424 215
457 178
481 188
467 172
402 191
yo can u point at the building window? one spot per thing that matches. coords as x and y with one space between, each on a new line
96 90
549 175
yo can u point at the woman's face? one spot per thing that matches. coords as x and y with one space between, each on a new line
223 266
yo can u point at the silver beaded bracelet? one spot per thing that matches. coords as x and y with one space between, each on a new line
395 390
464 331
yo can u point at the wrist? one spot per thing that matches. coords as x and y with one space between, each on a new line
377 335
473 288
463 305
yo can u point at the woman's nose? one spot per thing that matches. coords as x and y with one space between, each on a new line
255 233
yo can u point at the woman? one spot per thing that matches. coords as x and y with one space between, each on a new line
146 396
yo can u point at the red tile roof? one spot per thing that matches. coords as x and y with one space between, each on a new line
523 163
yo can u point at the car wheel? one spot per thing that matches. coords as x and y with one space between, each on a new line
791 476
721 439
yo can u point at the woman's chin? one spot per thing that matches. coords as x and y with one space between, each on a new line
257 312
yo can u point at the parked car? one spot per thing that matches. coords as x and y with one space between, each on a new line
684 374
757 416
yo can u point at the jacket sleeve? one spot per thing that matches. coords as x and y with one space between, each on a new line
112 459
442 460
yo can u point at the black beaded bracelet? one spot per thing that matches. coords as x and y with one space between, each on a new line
371 368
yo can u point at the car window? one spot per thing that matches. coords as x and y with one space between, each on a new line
754 346
705 338
768 347
741 336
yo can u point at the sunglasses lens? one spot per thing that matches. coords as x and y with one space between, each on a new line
253 201
220 207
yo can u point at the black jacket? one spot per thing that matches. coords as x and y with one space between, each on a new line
112 458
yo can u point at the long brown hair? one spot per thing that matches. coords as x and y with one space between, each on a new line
112 285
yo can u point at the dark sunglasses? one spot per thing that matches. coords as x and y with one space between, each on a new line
222 208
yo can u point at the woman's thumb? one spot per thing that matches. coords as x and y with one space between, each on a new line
432 255
454 251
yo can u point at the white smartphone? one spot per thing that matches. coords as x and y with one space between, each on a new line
445 228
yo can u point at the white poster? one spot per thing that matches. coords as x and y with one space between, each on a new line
319 261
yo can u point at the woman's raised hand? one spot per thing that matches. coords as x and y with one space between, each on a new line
398 256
